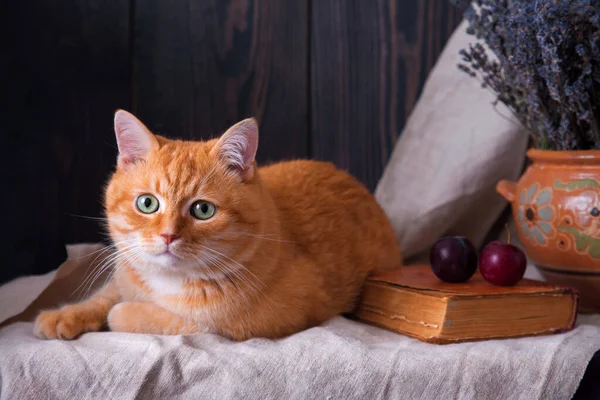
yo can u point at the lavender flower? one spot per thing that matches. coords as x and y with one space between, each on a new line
547 70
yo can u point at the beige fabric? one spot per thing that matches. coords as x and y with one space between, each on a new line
17 295
73 281
342 359
455 147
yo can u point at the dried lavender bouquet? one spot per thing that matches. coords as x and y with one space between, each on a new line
547 65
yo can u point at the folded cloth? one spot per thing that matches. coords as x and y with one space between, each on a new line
342 359
456 146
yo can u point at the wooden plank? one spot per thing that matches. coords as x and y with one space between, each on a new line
369 60
200 66
69 71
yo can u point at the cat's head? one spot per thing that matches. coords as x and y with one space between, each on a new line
183 206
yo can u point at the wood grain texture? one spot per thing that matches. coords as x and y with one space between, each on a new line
327 79
69 71
369 60
200 66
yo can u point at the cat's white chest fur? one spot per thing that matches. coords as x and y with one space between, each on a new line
164 283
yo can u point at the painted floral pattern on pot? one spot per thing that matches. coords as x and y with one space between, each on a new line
536 214
568 184
585 207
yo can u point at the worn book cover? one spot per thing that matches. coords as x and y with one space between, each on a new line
414 302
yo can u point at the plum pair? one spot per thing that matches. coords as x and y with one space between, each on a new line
454 260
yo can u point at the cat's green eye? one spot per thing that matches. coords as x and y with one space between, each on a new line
147 203
202 210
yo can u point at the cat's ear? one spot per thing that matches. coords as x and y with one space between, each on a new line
237 147
133 138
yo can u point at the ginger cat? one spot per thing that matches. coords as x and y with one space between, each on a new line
207 242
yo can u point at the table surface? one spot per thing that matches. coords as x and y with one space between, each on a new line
28 287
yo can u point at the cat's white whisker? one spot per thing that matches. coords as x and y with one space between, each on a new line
88 217
223 268
234 261
236 272
91 265
107 263
235 234
214 276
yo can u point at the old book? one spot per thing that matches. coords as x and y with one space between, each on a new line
414 302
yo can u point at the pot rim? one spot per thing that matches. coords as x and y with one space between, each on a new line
576 157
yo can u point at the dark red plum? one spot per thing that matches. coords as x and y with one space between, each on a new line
453 259
502 264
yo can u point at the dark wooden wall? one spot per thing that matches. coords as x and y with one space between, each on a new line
327 79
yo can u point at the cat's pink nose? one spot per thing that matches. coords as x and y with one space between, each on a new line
169 238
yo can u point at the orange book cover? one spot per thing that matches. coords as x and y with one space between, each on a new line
414 302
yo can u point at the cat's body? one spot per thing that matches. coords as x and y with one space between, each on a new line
285 247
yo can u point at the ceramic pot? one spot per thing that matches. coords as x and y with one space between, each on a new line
556 206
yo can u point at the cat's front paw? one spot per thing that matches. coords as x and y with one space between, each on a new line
141 317
65 323
133 317
120 317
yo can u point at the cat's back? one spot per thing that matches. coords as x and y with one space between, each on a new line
303 177
331 214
